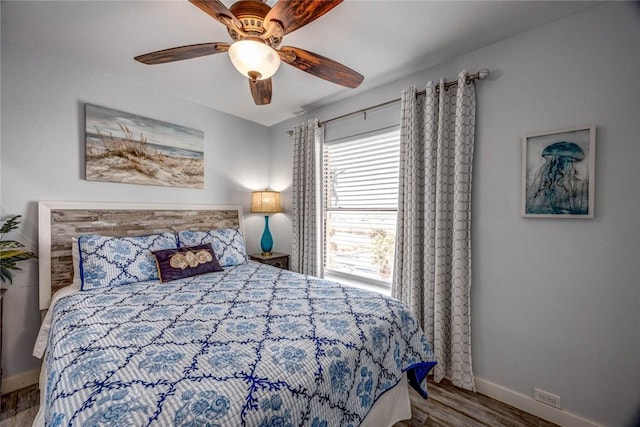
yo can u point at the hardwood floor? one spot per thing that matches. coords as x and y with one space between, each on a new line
446 406
18 409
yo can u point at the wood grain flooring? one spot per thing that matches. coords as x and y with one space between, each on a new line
446 406
19 409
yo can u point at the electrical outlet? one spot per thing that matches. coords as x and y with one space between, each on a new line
546 398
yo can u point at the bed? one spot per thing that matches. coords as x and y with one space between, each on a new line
240 344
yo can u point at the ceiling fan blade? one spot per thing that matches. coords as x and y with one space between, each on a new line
182 52
297 13
217 11
261 91
320 66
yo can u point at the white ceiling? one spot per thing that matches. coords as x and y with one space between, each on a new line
382 40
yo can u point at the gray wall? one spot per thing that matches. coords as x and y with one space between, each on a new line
42 158
554 302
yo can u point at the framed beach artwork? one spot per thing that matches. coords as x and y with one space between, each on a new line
124 147
558 173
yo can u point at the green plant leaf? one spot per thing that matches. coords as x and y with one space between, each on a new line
9 244
10 224
10 250
16 255
5 275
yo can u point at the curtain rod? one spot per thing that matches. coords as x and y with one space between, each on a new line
480 75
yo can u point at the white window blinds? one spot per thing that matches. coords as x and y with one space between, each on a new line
360 201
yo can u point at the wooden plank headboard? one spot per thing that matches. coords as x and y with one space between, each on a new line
58 222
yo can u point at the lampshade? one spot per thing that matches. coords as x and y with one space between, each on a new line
254 59
265 202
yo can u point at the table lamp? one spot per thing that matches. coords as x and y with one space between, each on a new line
266 202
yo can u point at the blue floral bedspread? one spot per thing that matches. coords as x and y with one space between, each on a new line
251 346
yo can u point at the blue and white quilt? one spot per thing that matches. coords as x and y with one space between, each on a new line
250 346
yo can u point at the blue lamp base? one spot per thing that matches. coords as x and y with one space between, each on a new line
266 243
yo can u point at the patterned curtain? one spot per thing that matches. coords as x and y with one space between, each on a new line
306 256
432 272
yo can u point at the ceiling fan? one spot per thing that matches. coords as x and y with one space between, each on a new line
257 31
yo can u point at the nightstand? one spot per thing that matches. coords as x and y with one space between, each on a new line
276 259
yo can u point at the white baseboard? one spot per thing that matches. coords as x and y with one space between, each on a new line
19 381
528 404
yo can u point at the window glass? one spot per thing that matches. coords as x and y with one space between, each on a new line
360 207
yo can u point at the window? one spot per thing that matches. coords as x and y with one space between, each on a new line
360 207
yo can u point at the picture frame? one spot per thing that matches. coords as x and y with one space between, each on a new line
128 148
558 173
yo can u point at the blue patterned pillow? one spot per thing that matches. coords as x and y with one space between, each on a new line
228 244
113 261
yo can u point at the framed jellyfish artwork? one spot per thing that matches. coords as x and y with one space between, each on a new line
558 173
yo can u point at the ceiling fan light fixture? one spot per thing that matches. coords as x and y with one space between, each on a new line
254 59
